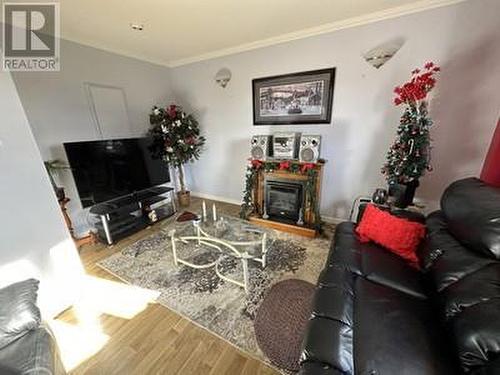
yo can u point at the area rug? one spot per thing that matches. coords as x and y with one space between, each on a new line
199 295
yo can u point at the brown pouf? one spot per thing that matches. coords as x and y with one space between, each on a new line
281 320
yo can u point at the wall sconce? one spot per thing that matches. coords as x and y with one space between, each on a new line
223 77
379 55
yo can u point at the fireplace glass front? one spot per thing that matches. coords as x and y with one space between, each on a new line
283 200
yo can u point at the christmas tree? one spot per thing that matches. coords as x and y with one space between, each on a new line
409 156
176 138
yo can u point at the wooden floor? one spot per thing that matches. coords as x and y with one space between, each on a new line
156 340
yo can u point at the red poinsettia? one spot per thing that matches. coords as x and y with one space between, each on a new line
306 167
421 83
284 165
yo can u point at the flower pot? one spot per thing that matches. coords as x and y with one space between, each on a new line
184 198
403 193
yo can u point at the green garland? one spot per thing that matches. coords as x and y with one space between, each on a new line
248 205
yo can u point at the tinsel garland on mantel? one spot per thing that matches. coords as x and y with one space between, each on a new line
308 169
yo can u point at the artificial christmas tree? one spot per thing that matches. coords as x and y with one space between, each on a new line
409 156
176 140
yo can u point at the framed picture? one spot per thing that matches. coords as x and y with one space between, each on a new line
298 98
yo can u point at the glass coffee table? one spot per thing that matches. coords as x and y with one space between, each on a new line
216 240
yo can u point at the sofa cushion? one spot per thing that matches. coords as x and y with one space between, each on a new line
18 311
399 236
467 292
472 211
479 287
476 332
329 333
395 333
330 342
455 261
373 262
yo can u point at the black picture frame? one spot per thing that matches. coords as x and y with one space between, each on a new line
286 108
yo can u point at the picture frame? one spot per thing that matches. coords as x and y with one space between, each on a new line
296 98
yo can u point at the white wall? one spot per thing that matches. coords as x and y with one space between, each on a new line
34 241
57 104
463 39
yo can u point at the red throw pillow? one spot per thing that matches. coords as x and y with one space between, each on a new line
397 235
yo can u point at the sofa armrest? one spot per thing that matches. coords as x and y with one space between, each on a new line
35 353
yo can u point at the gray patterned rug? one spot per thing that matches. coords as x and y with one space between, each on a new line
199 295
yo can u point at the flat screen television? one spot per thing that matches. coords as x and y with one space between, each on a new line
108 169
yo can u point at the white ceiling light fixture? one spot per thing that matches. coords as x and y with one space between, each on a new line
223 77
379 55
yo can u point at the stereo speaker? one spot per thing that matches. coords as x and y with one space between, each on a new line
261 147
309 148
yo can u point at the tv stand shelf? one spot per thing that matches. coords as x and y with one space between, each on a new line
123 216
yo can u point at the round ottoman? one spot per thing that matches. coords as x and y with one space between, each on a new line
281 320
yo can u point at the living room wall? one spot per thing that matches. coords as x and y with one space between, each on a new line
58 109
462 39
35 242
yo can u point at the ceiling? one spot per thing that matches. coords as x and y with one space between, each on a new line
177 32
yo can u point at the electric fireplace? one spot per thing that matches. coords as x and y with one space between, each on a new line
284 200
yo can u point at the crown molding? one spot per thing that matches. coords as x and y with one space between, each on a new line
386 14
115 51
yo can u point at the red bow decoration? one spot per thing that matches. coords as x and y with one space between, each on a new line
256 164
284 165
306 167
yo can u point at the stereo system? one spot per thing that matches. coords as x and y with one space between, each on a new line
288 145
285 145
261 147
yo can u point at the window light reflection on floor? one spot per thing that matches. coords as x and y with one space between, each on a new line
78 342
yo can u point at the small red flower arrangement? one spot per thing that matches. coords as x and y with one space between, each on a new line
421 83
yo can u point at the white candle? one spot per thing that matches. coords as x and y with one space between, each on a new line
214 211
204 208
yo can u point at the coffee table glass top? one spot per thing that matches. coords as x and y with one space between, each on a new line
246 236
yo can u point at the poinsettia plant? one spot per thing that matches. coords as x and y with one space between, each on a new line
176 138
420 84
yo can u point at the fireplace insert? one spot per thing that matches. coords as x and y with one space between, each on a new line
283 200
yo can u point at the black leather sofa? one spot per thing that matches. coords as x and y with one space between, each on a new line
27 346
373 314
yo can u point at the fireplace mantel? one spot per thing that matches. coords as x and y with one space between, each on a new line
308 228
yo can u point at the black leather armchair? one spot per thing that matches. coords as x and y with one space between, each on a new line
374 314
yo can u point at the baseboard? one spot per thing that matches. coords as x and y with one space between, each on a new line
215 198
332 220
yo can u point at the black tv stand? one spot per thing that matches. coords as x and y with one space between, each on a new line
121 217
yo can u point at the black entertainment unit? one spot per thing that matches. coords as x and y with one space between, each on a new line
128 214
